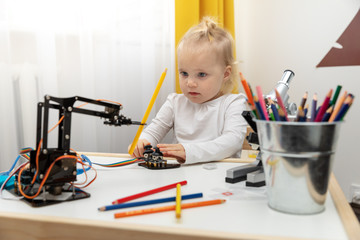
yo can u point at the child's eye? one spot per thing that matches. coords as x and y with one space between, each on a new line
202 74
184 74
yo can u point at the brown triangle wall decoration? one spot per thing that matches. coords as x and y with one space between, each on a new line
349 54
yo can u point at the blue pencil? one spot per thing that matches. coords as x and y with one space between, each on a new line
327 114
313 108
148 202
306 109
259 109
344 108
350 103
341 113
275 112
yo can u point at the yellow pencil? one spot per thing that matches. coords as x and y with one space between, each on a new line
168 208
178 201
147 112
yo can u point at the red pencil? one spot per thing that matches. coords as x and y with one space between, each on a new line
262 102
143 194
281 103
323 107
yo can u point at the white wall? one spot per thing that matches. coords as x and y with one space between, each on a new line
275 35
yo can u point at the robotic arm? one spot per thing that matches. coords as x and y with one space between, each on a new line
52 168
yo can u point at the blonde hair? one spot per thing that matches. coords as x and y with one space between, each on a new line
220 40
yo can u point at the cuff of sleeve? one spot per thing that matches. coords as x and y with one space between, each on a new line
190 154
148 137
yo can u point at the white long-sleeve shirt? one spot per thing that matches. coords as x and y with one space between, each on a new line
208 131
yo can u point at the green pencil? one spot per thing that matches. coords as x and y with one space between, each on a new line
336 95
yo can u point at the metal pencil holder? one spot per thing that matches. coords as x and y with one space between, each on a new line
297 159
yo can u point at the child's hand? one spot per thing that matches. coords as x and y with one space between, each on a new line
173 150
139 149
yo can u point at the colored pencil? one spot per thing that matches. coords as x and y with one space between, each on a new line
303 100
148 202
336 94
254 107
274 110
300 115
338 106
247 89
178 201
168 208
306 109
350 103
143 194
241 76
251 91
147 112
300 110
341 113
281 103
271 115
324 107
327 114
344 108
259 109
282 115
262 102
313 108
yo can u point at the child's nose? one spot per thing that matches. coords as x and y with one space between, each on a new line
191 82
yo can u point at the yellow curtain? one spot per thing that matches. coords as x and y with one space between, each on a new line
190 12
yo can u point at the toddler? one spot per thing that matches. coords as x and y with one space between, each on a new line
206 118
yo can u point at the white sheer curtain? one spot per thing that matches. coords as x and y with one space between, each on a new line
100 49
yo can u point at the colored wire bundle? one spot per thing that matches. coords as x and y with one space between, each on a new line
110 165
120 164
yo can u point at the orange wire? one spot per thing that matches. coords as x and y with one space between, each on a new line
57 124
48 172
47 175
105 100
44 179
99 100
86 177
37 162
93 178
38 150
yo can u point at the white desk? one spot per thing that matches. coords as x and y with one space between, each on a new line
238 218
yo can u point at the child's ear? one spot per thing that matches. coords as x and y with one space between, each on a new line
227 73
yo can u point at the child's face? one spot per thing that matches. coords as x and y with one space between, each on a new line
201 74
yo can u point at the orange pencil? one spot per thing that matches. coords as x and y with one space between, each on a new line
167 208
338 106
247 90
241 76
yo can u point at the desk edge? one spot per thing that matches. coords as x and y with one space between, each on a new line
348 218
